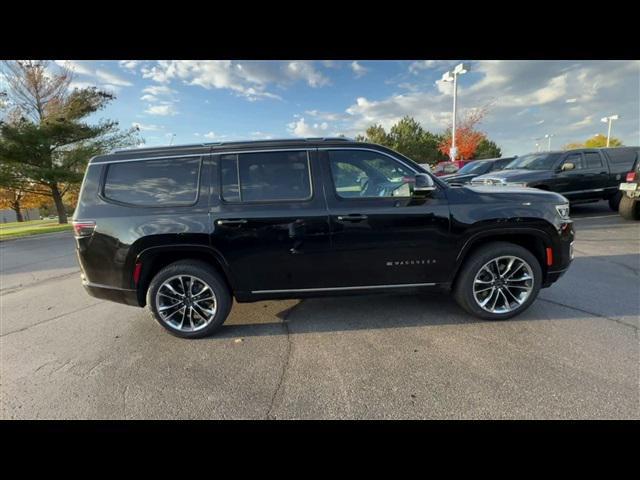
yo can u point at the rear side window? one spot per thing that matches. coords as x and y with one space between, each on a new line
623 156
153 182
592 160
265 177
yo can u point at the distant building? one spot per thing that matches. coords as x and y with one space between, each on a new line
9 215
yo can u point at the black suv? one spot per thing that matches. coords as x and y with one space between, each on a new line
185 229
582 175
476 168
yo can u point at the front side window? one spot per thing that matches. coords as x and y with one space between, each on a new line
366 174
576 159
265 177
171 181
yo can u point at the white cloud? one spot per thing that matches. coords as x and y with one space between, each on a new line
248 79
571 100
210 135
74 66
158 90
147 127
358 69
300 128
162 110
129 64
102 78
148 98
112 79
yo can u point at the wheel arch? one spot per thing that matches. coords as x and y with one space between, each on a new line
153 259
533 239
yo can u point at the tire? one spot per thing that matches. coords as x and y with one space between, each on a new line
629 208
191 317
463 291
614 201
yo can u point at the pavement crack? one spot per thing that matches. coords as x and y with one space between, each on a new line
57 317
635 327
286 363
20 287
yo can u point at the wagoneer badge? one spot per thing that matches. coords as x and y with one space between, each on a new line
410 262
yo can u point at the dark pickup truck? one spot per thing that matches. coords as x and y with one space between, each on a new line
476 168
581 175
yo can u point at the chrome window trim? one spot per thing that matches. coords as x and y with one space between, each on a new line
329 289
217 152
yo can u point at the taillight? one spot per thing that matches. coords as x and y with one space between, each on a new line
83 228
631 177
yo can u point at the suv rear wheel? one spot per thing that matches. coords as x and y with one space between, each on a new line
189 299
499 280
629 208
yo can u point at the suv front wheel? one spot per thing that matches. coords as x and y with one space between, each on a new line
189 299
499 280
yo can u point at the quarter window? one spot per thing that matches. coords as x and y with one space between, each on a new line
153 182
264 177
365 174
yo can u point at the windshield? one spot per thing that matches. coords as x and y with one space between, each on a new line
534 161
475 167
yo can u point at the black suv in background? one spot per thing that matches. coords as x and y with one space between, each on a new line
476 168
581 175
185 229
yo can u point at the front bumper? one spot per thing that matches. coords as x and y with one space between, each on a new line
563 253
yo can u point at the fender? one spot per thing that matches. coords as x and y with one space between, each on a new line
184 247
497 232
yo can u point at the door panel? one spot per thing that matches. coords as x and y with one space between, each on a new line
269 219
386 239
571 183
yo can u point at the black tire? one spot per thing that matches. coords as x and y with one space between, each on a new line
629 208
614 201
463 288
207 275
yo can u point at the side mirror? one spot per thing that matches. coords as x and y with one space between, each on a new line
567 166
423 185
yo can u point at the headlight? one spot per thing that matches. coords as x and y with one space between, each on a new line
516 184
563 211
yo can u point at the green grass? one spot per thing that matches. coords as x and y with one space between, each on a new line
33 227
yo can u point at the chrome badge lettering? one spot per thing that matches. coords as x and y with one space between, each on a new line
396 263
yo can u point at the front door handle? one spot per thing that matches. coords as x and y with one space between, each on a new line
356 217
239 221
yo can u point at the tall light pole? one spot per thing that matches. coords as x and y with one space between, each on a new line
173 135
538 143
452 76
548 136
608 120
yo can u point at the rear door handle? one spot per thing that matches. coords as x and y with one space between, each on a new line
239 221
356 217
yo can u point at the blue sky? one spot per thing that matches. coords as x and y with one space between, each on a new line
229 100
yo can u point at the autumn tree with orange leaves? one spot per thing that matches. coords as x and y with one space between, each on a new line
467 137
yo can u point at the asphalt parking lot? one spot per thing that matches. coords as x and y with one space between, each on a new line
574 354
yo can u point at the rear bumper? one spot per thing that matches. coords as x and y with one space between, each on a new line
105 292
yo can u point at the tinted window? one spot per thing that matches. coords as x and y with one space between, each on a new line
263 177
592 160
362 174
154 182
539 161
477 167
500 164
624 156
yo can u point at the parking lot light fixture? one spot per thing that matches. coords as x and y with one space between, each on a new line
548 137
608 120
452 76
